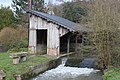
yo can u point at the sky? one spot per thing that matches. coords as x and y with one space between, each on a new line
8 2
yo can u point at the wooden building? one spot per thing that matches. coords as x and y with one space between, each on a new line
51 34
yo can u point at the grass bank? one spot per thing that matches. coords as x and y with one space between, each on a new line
112 74
11 70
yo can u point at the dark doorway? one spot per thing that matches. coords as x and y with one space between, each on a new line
41 41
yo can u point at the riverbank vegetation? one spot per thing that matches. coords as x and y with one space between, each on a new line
12 35
105 23
24 67
112 74
11 38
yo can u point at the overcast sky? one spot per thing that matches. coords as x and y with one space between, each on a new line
8 2
5 2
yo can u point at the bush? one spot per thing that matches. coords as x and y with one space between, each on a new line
88 49
17 50
11 38
116 57
112 74
19 44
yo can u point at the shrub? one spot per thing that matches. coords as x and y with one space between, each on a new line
11 38
112 74
116 57
17 50
87 49
19 44
104 21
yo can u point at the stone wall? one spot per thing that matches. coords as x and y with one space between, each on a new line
40 68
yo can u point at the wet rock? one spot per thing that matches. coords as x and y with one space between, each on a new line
73 62
85 63
88 62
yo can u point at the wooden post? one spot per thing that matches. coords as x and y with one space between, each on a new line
68 45
32 41
76 43
30 4
82 39
29 7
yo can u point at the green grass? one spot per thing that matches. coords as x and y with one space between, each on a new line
112 74
10 69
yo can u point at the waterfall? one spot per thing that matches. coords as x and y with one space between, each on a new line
63 61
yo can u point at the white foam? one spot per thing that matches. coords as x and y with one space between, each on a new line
64 72
68 71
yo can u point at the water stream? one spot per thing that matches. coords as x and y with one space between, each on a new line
69 73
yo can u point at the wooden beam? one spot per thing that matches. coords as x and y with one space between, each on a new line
82 39
68 45
30 4
76 42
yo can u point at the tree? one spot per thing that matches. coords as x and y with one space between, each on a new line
74 12
58 10
38 5
20 5
7 18
105 21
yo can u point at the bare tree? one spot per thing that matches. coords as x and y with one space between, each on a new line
105 21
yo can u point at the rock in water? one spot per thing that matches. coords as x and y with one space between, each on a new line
88 62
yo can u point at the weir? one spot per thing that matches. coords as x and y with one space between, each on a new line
63 72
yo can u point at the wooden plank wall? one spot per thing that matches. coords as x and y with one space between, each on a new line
54 32
53 40
32 35
63 31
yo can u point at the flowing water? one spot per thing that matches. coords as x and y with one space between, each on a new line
69 73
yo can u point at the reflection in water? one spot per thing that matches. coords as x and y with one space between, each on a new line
69 73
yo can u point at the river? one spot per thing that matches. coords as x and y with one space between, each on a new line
70 73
